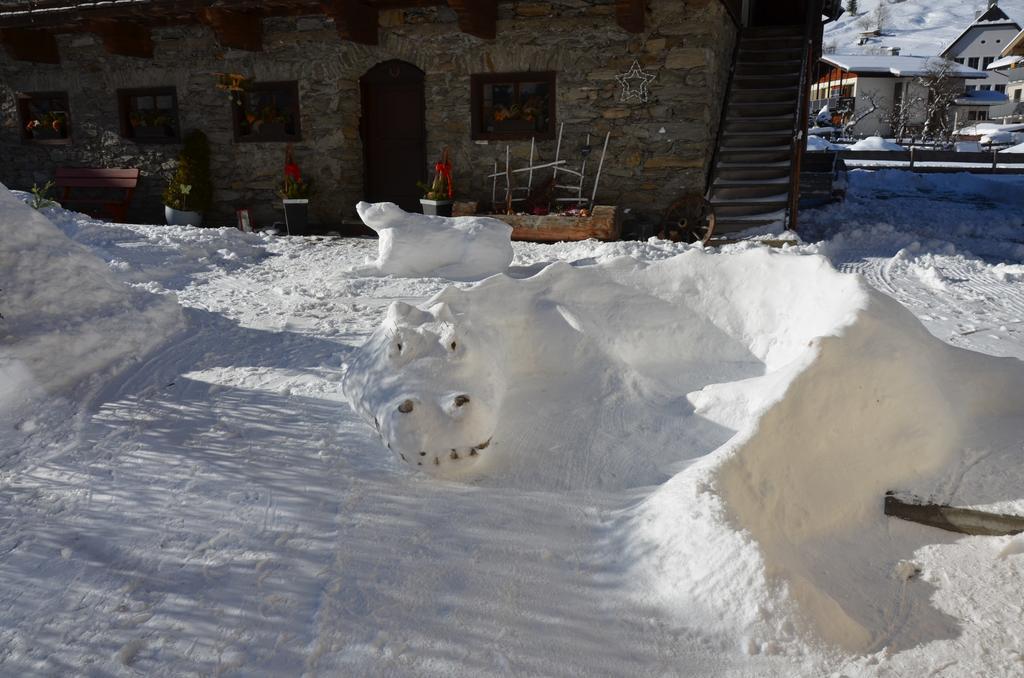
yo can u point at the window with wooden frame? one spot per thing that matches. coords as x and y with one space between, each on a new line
267 111
149 115
513 105
45 117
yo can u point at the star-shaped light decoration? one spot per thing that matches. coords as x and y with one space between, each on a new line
634 83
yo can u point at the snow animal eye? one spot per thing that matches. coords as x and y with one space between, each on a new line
453 345
399 346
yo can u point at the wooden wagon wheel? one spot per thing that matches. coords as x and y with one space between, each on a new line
690 219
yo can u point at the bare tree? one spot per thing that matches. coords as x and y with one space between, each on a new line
873 104
903 114
943 91
881 17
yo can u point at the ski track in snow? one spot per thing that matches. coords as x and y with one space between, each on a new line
218 510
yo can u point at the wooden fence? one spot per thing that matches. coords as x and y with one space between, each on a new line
922 160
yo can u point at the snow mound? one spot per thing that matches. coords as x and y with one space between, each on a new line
65 315
876 144
816 143
771 399
1019 148
458 248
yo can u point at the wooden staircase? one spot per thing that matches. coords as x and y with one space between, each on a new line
752 176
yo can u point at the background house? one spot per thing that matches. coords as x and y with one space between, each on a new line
978 46
873 89
368 96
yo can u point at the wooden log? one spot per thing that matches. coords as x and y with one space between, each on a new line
952 518
25 44
124 38
354 20
604 223
238 30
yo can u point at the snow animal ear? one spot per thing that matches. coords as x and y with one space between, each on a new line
401 313
442 312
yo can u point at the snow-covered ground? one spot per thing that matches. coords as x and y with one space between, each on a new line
217 508
917 27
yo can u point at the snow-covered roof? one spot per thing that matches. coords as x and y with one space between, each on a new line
1004 62
989 19
982 97
887 66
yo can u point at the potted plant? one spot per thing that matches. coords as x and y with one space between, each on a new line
52 125
189 192
438 196
295 193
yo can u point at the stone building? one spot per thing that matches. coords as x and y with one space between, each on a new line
368 95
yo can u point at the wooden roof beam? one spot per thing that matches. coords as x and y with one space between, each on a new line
125 38
239 30
629 14
355 20
477 17
25 44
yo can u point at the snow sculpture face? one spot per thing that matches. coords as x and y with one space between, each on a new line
431 385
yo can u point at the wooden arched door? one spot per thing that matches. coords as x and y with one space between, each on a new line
394 133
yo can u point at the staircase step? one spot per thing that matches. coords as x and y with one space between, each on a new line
782 95
724 225
758 125
745 193
751 55
755 67
754 181
730 173
771 43
792 29
755 109
749 208
754 156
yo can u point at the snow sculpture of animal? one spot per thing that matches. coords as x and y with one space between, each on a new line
494 370
459 248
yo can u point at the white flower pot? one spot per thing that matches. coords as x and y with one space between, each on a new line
182 217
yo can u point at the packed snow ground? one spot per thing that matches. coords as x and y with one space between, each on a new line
219 509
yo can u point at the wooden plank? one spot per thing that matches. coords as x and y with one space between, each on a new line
119 172
86 182
629 14
354 20
605 223
952 518
235 29
24 44
477 17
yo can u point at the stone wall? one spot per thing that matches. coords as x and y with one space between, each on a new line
658 150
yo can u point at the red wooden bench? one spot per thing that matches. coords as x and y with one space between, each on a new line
125 180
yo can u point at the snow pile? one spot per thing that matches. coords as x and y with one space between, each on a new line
768 394
876 144
414 245
816 143
1019 148
65 315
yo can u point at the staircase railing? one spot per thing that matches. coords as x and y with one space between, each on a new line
723 115
812 24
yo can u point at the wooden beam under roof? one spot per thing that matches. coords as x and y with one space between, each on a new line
124 38
477 17
354 20
629 14
26 44
234 28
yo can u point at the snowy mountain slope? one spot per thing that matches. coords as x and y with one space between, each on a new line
917 27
